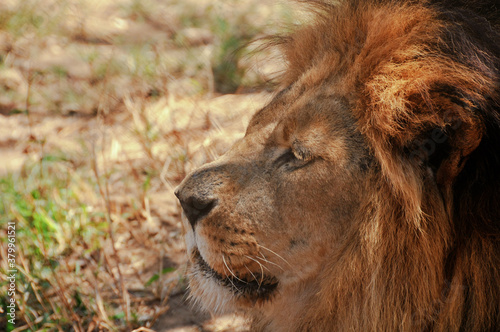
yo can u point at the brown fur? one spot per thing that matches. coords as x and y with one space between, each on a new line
395 224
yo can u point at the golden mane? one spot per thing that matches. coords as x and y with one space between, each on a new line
423 80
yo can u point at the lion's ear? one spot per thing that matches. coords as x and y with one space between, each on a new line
448 144
463 142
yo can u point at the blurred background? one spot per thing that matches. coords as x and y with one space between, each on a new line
104 107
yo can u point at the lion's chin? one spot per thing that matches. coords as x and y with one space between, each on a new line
241 292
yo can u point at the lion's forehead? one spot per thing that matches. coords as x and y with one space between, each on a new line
317 119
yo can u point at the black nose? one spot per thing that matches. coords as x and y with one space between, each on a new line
196 208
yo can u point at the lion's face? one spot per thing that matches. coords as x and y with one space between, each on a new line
261 219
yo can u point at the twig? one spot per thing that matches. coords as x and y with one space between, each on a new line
143 329
105 196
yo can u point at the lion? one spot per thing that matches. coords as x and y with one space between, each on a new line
365 195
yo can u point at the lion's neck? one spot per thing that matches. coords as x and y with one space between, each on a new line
291 306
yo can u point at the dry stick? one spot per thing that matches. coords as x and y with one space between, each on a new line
109 269
32 282
105 195
94 285
98 300
60 291
163 305
27 102
28 326
160 275
143 329
74 316
27 274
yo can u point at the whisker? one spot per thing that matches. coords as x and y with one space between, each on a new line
232 283
253 275
268 261
279 256
230 271
256 261
262 267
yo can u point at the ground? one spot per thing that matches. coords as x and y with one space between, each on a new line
104 107
183 318
150 241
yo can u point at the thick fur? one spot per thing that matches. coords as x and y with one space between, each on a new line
398 105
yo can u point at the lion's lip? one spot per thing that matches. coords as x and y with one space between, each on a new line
260 287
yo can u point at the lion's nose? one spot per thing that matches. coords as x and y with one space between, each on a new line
195 207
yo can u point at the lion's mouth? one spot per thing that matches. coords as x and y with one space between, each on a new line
260 287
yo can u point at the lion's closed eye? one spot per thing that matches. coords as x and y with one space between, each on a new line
301 153
293 159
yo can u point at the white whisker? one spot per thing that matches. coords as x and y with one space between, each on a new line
256 261
230 271
234 286
268 261
279 256
262 267
253 275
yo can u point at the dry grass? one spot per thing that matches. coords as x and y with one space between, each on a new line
104 107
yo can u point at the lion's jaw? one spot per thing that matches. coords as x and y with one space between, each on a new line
259 228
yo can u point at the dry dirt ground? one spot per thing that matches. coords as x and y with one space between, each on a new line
105 105
183 318
208 134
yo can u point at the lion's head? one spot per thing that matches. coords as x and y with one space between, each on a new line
365 195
